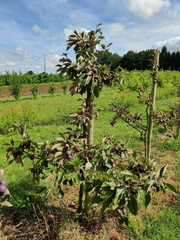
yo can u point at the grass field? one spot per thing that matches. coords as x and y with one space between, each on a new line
31 217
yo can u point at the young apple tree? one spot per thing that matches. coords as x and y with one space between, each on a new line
87 74
109 174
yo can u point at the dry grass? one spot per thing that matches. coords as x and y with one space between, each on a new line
59 223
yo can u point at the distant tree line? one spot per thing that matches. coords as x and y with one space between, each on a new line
130 61
141 60
30 78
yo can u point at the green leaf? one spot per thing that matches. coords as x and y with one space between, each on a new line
101 37
119 191
162 171
123 220
127 173
10 162
114 206
73 65
106 204
171 187
147 199
103 46
88 79
123 155
103 155
141 194
96 91
61 193
112 185
132 205
96 199
109 44
126 221
60 177
122 201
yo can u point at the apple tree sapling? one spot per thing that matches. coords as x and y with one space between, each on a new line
109 174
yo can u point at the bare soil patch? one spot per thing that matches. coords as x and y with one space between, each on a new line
43 89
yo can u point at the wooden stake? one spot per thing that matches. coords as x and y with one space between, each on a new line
152 105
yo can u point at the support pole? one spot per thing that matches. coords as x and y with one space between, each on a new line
152 104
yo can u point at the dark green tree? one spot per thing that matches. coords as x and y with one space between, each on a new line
143 59
128 61
112 60
163 61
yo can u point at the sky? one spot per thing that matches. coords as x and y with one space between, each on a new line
34 32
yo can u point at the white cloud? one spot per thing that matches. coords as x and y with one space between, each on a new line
171 43
8 64
174 11
73 15
21 52
38 67
146 8
115 29
167 29
36 28
54 57
68 31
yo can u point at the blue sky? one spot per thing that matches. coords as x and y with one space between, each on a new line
32 30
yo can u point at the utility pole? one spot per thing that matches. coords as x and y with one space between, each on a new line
44 59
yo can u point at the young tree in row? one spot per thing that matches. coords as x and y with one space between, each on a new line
109 174
87 74
88 77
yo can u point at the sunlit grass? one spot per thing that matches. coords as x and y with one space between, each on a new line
161 225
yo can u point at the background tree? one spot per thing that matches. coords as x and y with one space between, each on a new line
163 61
15 87
111 59
128 61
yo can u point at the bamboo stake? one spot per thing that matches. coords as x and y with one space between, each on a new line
152 106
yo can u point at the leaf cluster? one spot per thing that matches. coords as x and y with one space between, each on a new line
112 176
86 73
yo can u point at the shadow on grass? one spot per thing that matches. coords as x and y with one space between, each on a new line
6 101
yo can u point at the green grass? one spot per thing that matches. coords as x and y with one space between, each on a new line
45 110
163 225
47 117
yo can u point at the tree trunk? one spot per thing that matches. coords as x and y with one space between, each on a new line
90 107
80 198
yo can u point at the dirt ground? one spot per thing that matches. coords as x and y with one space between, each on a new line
43 89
